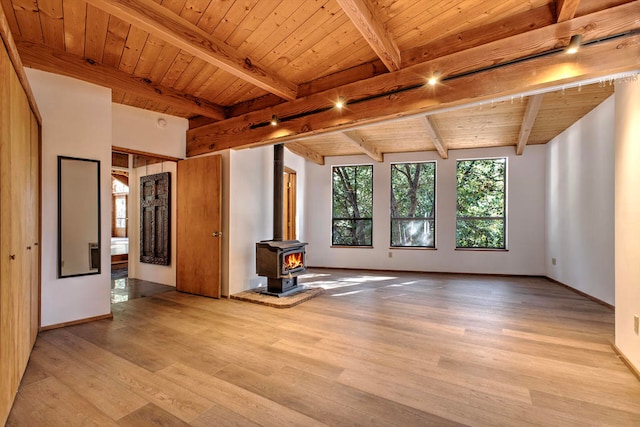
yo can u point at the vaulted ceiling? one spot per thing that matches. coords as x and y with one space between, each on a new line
230 66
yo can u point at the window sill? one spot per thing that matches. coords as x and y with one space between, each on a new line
351 247
481 250
412 248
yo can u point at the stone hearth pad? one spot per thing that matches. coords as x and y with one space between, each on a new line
254 296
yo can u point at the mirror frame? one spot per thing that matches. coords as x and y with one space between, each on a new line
98 270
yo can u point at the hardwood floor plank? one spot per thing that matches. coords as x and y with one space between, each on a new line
589 410
378 410
287 394
244 402
578 385
103 392
33 373
49 402
151 414
177 400
378 348
397 366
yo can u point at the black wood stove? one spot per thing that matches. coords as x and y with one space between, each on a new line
280 261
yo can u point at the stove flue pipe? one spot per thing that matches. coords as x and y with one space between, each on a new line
278 192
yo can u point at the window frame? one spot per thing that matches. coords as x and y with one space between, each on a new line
334 219
504 246
433 218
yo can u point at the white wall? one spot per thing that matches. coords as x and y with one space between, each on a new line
76 122
579 201
525 226
164 274
138 129
627 217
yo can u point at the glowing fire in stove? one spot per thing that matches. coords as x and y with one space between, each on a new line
292 261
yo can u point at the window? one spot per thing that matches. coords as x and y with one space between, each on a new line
481 203
413 202
352 205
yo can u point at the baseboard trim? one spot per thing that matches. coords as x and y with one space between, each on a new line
626 361
76 322
592 298
382 270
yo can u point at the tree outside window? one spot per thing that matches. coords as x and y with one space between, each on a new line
413 202
481 203
352 223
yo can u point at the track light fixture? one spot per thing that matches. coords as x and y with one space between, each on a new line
434 79
274 120
340 103
574 44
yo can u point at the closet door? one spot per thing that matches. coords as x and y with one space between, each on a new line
19 231
34 229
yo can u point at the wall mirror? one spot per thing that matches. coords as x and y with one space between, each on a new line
78 217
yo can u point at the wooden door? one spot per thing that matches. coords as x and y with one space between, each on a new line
199 226
289 204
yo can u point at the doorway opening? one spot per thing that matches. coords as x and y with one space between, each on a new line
289 204
119 215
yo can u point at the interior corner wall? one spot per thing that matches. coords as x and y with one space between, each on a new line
248 212
579 204
164 274
525 223
76 122
627 218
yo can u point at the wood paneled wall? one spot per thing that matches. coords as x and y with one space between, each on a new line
19 230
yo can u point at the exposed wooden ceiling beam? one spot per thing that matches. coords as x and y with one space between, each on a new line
363 144
594 60
566 9
166 25
508 27
44 58
304 152
434 134
364 17
530 114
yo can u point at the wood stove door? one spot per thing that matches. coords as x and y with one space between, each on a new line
199 226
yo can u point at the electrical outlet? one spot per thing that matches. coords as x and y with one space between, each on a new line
553 261
636 323
390 254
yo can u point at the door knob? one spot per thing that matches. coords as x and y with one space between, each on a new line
216 234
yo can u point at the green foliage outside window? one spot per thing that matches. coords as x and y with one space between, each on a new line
352 223
481 203
413 197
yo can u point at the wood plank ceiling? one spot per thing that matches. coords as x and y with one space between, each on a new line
231 65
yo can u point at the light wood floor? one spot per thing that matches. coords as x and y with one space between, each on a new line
376 349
